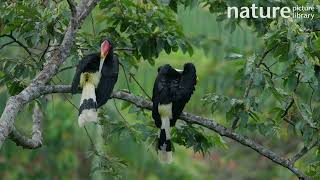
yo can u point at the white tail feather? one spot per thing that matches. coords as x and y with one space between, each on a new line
88 92
165 157
165 124
88 115
165 111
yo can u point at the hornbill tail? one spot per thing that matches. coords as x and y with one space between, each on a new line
88 105
164 142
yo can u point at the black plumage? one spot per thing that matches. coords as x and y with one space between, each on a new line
88 73
109 75
171 91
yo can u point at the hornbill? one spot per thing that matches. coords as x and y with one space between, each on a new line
96 74
172 90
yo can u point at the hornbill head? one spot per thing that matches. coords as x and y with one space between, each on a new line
104 51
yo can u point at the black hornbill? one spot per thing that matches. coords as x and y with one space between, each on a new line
172 90
96 74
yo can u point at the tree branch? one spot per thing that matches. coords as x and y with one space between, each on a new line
73 8
194 119
36 139
45 50
303 152
67 68
124 49
6 44
18 42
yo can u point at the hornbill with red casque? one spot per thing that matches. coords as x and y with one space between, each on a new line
96 74
172 90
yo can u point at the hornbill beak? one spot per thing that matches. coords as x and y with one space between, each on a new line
105 47
102 57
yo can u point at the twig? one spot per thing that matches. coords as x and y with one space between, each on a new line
90 139
287 108
124 49
311 97
8 43
72 8
292 99
289 121
312 30
115 105
269 70
125 75
132 76
45 50
66 68
303 152
273 63
18 42
65 97
92 24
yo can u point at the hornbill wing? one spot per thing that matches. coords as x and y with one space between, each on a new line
155 101
80 68
159 94
183 91
187 83
109 77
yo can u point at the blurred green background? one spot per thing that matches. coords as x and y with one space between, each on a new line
66 153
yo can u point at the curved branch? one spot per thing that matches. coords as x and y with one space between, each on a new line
194 119
36 139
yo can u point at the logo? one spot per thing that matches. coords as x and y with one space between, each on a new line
271 12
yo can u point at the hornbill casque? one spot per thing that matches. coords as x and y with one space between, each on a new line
172 90
96 74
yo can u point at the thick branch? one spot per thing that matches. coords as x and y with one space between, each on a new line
194 119
36 139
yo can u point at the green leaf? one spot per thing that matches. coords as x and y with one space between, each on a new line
14 87
305 111
125 105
